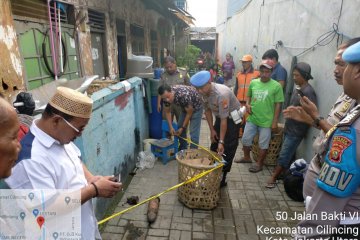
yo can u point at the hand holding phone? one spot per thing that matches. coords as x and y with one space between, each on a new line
117 178
301 94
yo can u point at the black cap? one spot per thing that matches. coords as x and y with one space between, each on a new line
304 69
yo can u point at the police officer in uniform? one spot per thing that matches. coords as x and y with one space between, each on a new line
172 76
335 207
219 101
309 114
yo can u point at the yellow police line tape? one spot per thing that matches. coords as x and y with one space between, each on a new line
196 177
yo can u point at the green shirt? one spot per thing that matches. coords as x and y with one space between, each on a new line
263 98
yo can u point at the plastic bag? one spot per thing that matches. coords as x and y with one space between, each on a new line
145 160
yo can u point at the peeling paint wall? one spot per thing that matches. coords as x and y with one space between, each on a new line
83 34
11 70
113 138
131 11
111 44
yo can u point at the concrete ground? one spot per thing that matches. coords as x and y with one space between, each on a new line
246 208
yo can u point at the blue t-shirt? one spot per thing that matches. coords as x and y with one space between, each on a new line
279 73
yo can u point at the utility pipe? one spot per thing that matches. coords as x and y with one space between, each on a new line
60 44
52 41
56 42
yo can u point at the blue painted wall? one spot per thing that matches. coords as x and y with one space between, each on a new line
113 138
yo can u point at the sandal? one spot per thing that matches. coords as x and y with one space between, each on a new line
271 185
255 169
242 160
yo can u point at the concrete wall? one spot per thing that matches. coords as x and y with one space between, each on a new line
113 138
298 24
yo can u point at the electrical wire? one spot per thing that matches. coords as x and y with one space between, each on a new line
324 39
341 7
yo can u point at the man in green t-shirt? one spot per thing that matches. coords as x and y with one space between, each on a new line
263 103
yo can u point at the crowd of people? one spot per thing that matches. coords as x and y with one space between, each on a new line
332 182
47 158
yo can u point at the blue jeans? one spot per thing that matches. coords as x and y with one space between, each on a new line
288 149
194 127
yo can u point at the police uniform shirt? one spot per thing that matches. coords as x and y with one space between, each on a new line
341 107
324 204
221 101
180 77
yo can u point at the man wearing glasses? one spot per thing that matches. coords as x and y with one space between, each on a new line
50 160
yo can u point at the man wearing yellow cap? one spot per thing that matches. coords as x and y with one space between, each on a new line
243 79
50 160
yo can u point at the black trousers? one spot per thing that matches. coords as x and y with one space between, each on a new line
231 141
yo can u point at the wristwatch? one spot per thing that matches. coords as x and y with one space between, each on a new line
222 142
316 122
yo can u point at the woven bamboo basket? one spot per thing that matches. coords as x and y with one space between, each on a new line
274 147
98 85
203 193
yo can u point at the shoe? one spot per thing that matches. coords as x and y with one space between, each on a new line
223 184
153 208
242 160
271 185
255 169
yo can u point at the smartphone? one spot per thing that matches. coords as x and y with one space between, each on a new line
117 178
300 93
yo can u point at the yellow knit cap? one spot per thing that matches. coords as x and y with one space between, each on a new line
72 102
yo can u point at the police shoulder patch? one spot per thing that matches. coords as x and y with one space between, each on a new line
338 146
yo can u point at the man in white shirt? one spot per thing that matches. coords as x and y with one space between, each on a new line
50 160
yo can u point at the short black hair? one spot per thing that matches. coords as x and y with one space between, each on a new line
349 43
169 59
164 88
271 53
51 111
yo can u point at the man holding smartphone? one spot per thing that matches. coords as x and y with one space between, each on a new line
294 131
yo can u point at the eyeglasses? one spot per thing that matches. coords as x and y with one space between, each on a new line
69 124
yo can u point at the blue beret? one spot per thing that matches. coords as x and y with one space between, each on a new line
200 78
352 53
